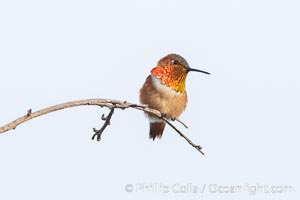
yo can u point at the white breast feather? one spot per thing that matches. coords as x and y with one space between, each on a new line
163 88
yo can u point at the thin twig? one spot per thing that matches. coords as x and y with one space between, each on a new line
111 104
181 122
199 148
99 132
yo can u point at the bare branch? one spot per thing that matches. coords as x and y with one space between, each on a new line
111 104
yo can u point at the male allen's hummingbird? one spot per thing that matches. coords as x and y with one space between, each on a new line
164 90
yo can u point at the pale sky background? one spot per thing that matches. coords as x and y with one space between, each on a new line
245 115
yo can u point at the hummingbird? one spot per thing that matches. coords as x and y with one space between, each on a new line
164 90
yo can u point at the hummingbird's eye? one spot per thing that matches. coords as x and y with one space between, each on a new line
175 62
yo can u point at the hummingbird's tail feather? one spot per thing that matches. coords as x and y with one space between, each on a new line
156 129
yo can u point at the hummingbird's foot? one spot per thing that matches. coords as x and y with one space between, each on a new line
162 115
173 119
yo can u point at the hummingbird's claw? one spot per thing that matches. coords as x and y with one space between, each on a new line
162 115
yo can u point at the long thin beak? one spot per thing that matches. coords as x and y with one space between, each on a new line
197 70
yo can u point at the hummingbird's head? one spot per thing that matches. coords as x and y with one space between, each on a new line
172 70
